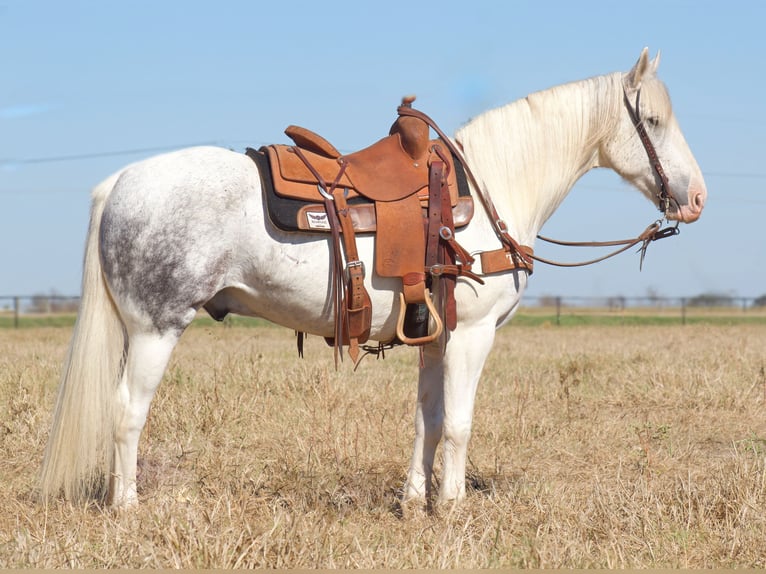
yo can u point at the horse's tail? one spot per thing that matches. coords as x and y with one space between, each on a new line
80 449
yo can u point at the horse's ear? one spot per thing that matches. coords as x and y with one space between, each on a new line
640 71
656 62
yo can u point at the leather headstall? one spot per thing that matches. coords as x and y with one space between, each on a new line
663 195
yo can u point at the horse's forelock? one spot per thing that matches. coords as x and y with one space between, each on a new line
655 97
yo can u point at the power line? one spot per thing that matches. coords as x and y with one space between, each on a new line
95 155
150 150
145 150
732 174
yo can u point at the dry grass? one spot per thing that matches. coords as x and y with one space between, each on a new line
592 447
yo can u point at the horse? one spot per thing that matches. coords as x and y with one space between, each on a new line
186 230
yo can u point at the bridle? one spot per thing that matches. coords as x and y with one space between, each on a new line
663 195
664 199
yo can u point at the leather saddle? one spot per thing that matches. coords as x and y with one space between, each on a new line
381 172
407 189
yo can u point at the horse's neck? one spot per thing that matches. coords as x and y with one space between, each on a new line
530 153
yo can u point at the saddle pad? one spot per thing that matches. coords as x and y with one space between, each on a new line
284 211
290 214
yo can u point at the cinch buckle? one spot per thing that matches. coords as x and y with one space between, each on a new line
351 264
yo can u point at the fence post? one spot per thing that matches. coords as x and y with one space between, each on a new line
16 309
558 311
683 310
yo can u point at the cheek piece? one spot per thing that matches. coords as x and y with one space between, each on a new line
664 198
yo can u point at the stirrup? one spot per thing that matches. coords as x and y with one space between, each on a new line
431 337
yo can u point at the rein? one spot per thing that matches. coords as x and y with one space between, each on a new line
652 233
499 226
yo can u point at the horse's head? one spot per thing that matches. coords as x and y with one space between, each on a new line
648 149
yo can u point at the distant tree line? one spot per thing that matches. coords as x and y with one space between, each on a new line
709 299
53 304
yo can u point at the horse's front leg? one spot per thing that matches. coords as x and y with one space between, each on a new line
464 359
429 416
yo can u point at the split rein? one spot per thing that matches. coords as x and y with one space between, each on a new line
652 233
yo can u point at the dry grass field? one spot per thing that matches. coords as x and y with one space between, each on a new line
592 447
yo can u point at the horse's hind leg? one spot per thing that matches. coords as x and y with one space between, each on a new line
145 363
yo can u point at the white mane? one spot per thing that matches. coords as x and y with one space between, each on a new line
528 154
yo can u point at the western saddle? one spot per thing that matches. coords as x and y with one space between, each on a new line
405 189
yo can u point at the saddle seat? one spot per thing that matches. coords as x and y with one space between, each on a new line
384 171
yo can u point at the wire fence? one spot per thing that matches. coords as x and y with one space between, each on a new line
14 309
657 309
53 310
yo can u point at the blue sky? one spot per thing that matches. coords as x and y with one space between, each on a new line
89 86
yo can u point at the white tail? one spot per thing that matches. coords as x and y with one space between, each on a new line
80 449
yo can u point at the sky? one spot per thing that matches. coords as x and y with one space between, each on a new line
90 86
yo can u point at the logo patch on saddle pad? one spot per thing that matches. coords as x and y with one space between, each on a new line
317 220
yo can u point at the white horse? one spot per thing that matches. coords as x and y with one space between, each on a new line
187 230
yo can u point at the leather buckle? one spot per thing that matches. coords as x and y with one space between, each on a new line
354 264
436 270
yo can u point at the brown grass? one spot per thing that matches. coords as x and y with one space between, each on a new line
592 447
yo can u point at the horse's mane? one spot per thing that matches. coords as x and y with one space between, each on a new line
529 153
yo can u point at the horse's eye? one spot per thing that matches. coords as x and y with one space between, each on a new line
653 121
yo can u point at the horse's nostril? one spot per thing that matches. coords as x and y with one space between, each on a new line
698 201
